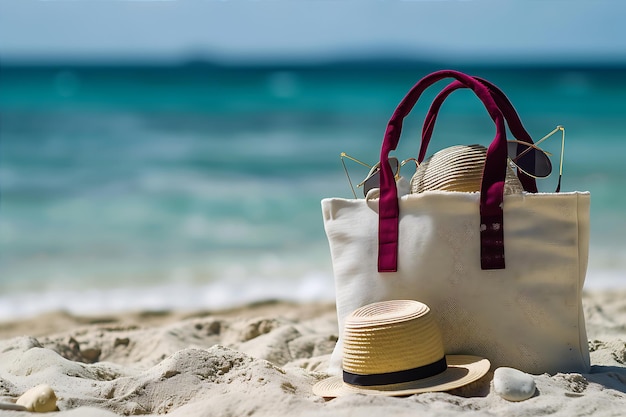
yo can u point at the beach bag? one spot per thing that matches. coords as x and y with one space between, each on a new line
502 273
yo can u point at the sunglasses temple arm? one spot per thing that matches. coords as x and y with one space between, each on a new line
345 155
556 129
558 186
536 144
349 180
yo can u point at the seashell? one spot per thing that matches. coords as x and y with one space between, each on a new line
512 384
40 399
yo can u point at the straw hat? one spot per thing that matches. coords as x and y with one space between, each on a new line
458 168
394 348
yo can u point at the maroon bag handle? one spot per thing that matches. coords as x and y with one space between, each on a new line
492 186
505 106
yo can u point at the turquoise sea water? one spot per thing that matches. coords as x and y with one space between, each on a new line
200 186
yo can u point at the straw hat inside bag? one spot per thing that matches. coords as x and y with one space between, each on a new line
458 168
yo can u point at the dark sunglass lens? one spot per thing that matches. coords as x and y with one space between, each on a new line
530 160
374 180
395 165
371 182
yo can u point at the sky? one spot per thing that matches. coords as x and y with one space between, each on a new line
550 31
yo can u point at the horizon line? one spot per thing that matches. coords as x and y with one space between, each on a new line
372 61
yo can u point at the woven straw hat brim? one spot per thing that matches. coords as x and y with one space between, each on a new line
462 370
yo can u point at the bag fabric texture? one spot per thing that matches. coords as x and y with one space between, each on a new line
502 273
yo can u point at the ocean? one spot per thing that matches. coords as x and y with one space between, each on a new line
199 186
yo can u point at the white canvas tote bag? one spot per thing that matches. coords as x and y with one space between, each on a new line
502 274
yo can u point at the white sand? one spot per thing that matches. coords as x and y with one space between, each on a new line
262 360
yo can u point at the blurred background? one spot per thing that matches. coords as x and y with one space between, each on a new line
170 154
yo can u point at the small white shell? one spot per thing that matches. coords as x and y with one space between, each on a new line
513 385
40 399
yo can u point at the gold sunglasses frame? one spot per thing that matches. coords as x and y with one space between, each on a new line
374 169
535 146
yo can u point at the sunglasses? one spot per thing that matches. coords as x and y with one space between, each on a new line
372 180
534 161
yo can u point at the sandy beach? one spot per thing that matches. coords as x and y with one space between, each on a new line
263 360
